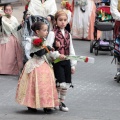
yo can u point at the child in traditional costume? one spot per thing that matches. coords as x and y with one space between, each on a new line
11 58
61 40
36 86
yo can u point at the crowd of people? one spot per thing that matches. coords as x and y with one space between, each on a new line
43 83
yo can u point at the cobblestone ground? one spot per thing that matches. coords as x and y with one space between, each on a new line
95 95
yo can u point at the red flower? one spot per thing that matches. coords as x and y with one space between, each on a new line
68 6
37 42
26 7
86 59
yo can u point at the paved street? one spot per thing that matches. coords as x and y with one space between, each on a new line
95 96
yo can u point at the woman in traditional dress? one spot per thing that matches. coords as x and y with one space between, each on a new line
115 10
44 8
83 19
11 59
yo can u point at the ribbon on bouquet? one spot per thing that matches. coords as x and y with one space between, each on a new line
78 58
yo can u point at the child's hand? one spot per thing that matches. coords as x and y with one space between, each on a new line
22 23
72 70
62 57
27 16
57 43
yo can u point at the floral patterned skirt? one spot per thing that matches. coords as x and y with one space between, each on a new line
37 89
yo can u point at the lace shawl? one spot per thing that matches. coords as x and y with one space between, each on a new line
9 27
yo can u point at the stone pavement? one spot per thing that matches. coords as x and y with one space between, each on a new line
95 96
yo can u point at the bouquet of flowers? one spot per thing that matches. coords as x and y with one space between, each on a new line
78 58
37 42
26 6
68 6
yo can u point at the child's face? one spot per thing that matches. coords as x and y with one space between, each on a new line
8 10
43 32
62 21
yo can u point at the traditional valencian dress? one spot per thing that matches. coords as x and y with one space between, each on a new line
83 19
48 8
11 58
36 86
115 10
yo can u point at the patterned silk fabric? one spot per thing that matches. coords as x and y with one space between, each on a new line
64 41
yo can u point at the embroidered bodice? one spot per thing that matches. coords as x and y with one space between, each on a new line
63 37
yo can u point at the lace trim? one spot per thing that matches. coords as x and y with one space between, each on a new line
33 63
63 85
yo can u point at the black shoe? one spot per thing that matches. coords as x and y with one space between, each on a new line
47 110
115 77
32 109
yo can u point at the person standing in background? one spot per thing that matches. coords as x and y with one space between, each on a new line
44 8
115 11
11 55
83 19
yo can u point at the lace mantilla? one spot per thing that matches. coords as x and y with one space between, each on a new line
33 63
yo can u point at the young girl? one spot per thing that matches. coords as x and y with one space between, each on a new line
65 5
36 86
61 40
11 58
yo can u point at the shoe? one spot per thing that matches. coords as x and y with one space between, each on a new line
115 77
63 107
32 109
47 110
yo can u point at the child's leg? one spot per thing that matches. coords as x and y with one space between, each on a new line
63 93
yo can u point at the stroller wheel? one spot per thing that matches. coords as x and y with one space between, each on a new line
91 46
96 52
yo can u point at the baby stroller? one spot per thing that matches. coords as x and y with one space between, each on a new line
103 22
27 32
